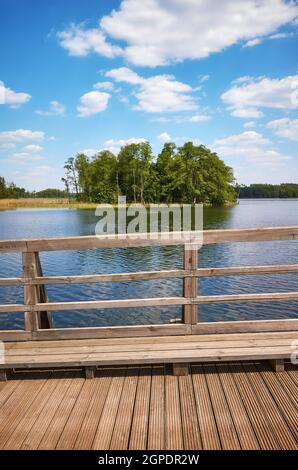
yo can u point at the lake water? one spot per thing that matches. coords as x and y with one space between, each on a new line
35 223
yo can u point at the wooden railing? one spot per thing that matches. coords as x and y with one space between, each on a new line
37 308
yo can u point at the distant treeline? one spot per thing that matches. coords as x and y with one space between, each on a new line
187 174
284 190
11 191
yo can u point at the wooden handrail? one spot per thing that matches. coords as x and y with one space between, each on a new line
37 308
151 302
147 275
150 239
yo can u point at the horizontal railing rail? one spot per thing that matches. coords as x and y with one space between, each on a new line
149 239
37 308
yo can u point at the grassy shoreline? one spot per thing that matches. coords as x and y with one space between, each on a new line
52 203
32 203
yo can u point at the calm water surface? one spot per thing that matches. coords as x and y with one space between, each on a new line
35 223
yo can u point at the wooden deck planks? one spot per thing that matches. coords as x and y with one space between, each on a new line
216 406
88 429
275 418
121 431
156 429
226 429
140 419
244 429
62 414
69 434
16 408
108 417
38 415
7 388
287 404
255 409
206 418
191 431
174 434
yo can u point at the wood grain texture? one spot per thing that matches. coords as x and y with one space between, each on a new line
214 407
150 239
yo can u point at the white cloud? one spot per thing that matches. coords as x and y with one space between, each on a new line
21 135
38 177
158 32
253 147
164 137
257 41
199 118
281 35
12 98
203 78
249 124
107 86
244 101
156 94
92 103
24 157
124 74
7 146
247 113
56 109
285 128
162 31
243 79
253 42
80 42
114 146
89 152
161 119
32 148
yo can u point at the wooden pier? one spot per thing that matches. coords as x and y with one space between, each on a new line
183 385
226 406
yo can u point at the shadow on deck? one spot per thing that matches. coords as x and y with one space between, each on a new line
234 406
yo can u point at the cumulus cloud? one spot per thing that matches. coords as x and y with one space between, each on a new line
37 177
56 109
156 94
253 42
164 137
107 86
92 103
114 146
285 127
32 148
249 124
7 146
80 41
12 98
199 118
21 135
246 100
251 146
158 32
90 152
24 157
257 41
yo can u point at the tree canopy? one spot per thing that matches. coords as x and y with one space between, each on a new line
186 174
11 191
284 190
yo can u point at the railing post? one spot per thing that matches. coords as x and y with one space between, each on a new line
190 284
34 294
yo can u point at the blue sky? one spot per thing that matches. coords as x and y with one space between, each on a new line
87 75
